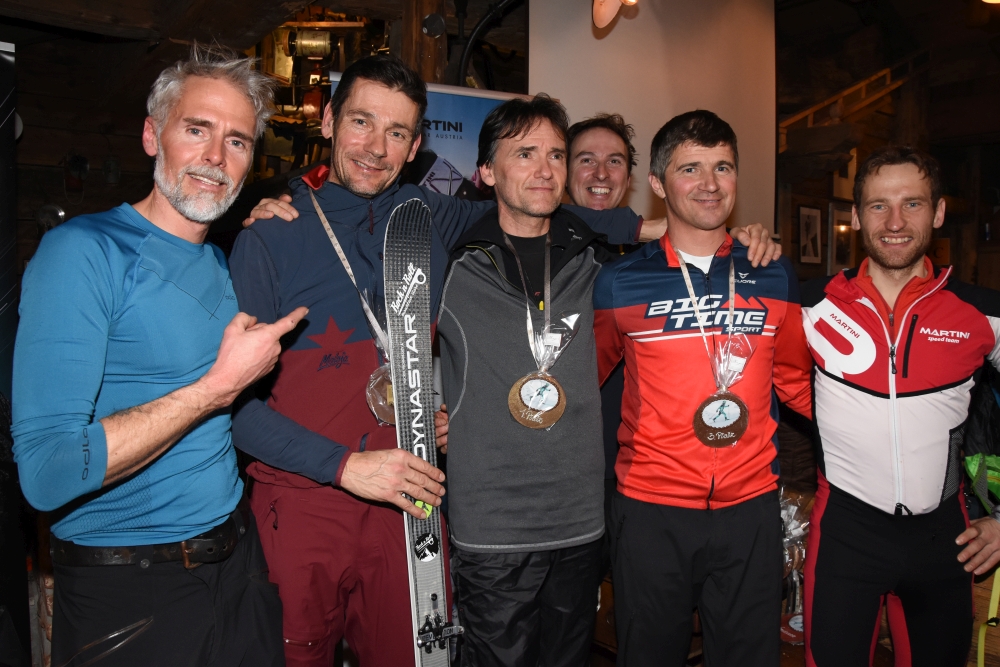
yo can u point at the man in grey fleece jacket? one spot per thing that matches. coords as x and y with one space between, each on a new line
526 505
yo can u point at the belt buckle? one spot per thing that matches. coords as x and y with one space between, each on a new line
185 553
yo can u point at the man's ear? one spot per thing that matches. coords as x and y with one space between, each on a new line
149 141
415 147
939 214
855 220
328 121
486 173
657 186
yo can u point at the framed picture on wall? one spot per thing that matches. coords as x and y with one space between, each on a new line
842 242
810 245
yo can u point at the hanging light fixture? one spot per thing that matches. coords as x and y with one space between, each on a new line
606 10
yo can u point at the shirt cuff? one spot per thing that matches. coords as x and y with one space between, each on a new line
340 468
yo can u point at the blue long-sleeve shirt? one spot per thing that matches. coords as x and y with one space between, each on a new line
314 411
115 313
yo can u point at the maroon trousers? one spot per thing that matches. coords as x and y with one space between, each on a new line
340 566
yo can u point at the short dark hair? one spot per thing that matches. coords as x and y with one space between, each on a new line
887 156
389 71
609 121
516 117
701 127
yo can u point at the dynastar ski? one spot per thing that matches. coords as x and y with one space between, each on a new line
408 314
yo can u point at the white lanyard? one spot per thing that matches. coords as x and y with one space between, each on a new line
697 311
377 329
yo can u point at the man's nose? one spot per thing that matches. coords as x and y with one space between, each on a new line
544 170
895 221
376 144
710 182
214 153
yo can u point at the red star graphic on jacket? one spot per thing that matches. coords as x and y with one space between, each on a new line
323 388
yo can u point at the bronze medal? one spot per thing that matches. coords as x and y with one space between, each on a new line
721 419
380 397
537 400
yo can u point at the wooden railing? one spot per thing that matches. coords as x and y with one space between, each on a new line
853 103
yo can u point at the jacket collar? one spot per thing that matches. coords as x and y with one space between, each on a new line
568 232
674 262
334 197
855 284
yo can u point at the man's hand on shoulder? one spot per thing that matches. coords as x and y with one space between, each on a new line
268 208
761 248
248 352
385 475
982 545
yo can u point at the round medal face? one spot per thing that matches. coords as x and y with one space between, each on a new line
380 396
721 419
537 400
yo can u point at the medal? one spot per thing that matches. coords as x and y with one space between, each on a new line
537 400
722 418
379 394
379 390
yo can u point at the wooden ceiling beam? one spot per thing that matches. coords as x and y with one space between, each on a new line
113 18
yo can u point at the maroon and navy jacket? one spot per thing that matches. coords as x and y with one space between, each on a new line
312 411
643 311
893 385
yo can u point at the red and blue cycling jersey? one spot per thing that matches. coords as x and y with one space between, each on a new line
644 313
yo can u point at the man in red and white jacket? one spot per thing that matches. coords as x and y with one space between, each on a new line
898 346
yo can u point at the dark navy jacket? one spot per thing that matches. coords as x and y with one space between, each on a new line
314 410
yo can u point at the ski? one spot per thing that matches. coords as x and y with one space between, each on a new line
408 315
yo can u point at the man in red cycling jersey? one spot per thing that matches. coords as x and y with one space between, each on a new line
695 524
898 346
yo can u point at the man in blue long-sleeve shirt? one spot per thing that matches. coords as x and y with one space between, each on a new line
129 352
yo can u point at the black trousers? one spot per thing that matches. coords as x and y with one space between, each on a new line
217 614
727 562
527 609
860 558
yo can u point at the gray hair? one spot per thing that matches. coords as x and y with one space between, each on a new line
213 62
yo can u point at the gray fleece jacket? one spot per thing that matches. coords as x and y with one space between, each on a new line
512 488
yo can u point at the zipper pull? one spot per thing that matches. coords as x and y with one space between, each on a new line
892 360
899 510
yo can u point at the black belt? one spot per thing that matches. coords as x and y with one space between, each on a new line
212 546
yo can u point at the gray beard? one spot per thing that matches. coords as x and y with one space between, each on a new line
203 207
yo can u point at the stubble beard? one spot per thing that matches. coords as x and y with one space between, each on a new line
898 265
202 207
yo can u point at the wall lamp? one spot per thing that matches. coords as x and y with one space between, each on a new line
606 10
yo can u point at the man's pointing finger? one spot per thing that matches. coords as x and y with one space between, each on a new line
290 321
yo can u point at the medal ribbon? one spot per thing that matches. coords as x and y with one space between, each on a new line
377 329
546 290
697 312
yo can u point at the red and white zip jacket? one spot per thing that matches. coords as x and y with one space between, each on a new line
892 385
